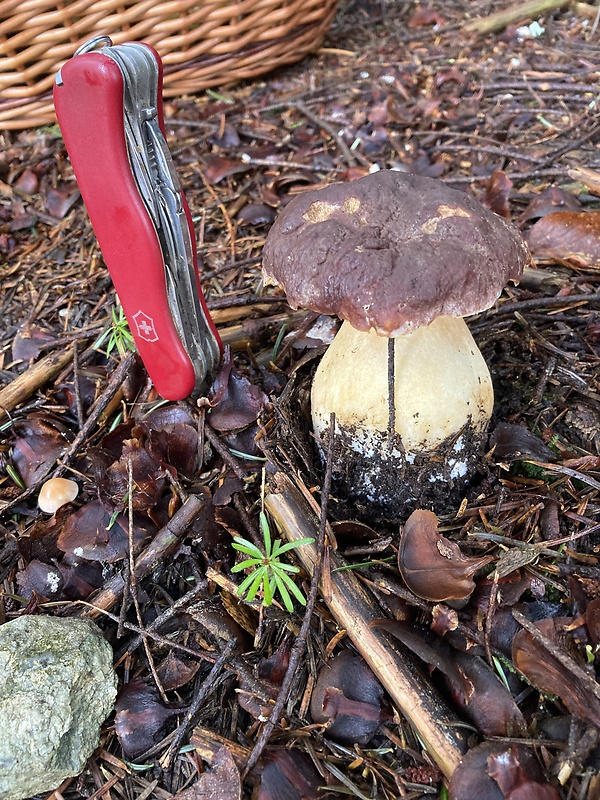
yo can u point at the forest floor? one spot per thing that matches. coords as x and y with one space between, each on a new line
511 117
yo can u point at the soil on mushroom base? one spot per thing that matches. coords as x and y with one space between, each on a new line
291 441
430 481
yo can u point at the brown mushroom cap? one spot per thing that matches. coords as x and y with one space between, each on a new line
391 252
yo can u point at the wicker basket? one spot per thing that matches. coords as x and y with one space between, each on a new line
202 42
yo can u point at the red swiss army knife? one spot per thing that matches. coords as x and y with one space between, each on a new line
108 102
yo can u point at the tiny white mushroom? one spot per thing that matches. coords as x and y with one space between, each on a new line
55 493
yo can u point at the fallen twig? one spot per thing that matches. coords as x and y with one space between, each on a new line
543 302
116 379
32 379
161 546
222 450
589 177
203 692
354 610
348 155
240 336
133 583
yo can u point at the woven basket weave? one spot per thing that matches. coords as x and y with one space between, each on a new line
202 42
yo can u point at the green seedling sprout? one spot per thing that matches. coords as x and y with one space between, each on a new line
267 571
117 336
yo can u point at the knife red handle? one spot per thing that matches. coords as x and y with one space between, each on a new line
89 108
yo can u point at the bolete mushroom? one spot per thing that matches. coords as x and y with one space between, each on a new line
401 256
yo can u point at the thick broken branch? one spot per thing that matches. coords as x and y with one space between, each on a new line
521 12
353 609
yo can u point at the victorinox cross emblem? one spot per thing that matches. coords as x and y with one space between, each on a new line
145 327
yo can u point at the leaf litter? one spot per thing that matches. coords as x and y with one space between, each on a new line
510 117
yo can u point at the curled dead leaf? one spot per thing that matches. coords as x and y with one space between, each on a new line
176 670
496 771
474 686
273 669
141 717
147 477
497 193
43 579
256 214
91 533
516 443
432 566
550 674
551 199
592 620
218 167
423 17
289 774
60 200
235 402
29 341
38 443
348 697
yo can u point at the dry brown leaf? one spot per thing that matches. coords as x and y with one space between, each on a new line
592 620
423 17
498 771
37 445
349 698
475 688
547 673
517 443
571 237
432 566
497 193
549 200
91 533
141 717
221 782
289 774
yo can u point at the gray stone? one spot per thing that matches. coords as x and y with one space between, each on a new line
57 686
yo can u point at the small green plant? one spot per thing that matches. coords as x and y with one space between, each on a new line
15 476
117 336
590 654
500 671
268 572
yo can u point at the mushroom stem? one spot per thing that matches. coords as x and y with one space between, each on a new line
442 390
